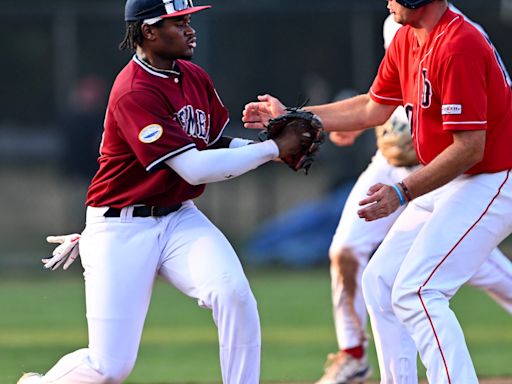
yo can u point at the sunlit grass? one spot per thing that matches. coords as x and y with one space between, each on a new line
42 319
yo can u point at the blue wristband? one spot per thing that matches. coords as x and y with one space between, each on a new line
399 193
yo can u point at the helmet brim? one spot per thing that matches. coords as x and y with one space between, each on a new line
184 12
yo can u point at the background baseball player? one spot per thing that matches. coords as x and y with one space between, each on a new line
163 124
355 240
459 204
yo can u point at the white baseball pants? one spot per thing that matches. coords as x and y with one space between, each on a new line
123 256
437 244
361 238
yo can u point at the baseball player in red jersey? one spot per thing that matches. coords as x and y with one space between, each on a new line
162 141
459 204
355 240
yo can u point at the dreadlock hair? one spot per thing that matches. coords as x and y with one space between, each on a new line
133 36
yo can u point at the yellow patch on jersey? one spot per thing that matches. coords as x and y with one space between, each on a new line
151 133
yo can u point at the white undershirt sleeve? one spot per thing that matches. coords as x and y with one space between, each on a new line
211 165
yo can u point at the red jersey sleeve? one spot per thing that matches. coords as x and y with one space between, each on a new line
149 128
463 87
386 87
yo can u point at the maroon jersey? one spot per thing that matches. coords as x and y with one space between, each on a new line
153 115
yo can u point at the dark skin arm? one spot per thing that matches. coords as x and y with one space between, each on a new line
223 142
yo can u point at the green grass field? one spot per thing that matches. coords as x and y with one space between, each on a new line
43 317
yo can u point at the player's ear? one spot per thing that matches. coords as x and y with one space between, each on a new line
148 32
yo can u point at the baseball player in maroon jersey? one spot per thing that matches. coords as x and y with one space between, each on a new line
162 141
459 204
355 240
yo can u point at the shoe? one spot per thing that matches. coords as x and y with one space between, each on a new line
342 368
31 378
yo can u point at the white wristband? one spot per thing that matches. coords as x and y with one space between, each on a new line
237 142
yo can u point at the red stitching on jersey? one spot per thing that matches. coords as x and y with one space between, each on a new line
442 261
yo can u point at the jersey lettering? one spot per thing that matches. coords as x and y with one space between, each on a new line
409 112
195 125
426 98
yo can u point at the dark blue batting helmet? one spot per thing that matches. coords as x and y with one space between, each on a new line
413 4
149 9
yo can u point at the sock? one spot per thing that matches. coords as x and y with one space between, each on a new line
356 352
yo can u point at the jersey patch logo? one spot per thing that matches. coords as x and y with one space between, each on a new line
451 109
151 133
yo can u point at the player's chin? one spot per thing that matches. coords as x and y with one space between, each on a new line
187 54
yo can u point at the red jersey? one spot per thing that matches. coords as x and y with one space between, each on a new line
453 82
153 115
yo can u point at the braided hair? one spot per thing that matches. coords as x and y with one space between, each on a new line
133 36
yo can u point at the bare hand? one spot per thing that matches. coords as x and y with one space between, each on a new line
382 201
344 138
257 113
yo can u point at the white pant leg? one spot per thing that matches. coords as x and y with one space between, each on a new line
396 351
120 258
471 216
495 277
359 239
200 262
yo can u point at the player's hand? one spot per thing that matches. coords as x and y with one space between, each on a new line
382 201
65 253
344 138
257 113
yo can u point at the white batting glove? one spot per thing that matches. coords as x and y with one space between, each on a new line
65 253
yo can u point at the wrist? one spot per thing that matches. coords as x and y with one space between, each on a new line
400 194
237 142
405 190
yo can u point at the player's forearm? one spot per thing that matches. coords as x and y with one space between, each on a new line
211 165
466 151
230 142
357 113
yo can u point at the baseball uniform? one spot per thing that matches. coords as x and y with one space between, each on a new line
451 82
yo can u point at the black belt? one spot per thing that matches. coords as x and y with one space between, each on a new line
144 211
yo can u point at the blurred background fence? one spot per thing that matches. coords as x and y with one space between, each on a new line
60 58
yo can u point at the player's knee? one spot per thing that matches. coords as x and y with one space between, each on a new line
339 250
234 294
344 269
342 258
405 302
369 283
235 309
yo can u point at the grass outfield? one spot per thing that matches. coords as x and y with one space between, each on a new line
43 318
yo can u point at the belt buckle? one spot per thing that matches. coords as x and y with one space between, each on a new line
152 210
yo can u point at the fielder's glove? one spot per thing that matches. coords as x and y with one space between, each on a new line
65 253
395 142
305 124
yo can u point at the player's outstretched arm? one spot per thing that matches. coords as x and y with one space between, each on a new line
353 114
212 165
257 113
64 254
